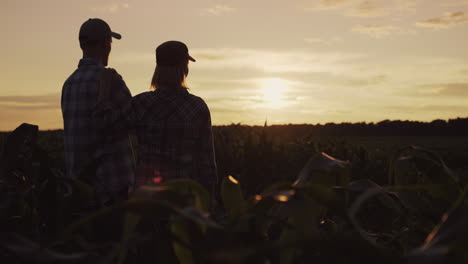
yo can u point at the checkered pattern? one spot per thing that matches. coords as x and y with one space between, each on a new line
98 157
174 135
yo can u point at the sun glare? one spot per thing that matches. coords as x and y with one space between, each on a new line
273 91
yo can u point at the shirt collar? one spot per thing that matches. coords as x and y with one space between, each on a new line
171 90
89 61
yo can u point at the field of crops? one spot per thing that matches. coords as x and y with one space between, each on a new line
290 198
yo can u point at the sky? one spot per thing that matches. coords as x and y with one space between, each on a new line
295 61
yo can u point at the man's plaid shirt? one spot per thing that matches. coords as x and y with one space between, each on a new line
103 159
174 135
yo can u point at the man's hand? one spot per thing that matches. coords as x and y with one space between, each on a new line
108 77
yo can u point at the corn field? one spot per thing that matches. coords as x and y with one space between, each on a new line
295 199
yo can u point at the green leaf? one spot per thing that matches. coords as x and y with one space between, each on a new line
138 206
275 187
414 165
180 230
33 252
199 217
323 195
287 254
231 194
191 188
375 194
131 221
408 152
324 169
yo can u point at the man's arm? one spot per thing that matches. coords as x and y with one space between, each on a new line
120 93
116 109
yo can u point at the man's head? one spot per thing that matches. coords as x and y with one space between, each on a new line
95 39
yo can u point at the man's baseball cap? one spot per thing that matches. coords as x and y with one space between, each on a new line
96 29
172 53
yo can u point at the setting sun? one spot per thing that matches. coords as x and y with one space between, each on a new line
274 93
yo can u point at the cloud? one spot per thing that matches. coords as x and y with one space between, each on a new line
447 20
217 10
375 31
329 41
405 5
461 110
31 102
270 61
333 4
443 89
369 9
109 8
378 79
454 3
366 8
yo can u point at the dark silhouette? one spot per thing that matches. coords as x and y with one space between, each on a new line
173 126
101 159
451 127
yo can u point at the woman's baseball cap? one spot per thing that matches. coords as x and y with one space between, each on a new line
172 53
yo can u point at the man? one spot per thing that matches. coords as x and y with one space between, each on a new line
101 159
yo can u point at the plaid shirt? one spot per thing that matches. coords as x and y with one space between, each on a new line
174 135
100 158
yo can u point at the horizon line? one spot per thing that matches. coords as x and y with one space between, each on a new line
287 124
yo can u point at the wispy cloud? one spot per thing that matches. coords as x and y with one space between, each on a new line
270 61
31 102
447 20
109 8
375 31
373 80
375 8
366 8
406 5
333 4
454 3
442 89
324 41
42 110
431 108
217 10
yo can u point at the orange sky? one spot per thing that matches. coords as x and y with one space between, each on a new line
284 61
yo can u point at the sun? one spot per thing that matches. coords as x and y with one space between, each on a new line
274 90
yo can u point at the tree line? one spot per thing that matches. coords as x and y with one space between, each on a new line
438 127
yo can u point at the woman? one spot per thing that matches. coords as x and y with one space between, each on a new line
173 127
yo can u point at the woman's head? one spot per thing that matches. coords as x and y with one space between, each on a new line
172 60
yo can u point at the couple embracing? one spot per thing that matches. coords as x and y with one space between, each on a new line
172 126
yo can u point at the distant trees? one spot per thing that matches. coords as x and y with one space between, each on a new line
438 127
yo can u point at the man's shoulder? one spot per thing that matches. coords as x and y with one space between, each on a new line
71 78
143 100
85 73
144 96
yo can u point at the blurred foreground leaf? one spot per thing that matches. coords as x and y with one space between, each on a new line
231 194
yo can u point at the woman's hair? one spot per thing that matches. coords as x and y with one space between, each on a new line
170 76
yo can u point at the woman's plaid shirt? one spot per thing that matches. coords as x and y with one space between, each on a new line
174 135
101 158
